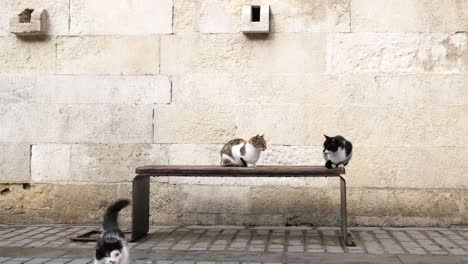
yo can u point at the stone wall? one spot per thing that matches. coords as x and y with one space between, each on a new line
117 84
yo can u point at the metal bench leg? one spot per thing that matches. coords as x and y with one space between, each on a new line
347 239
140 206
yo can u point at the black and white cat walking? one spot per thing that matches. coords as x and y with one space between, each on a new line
112 247
337 151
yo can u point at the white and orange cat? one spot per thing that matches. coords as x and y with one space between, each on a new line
241 153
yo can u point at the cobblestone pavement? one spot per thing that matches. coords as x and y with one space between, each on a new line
234 244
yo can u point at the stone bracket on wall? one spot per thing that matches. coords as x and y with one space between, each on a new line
255 19
30 22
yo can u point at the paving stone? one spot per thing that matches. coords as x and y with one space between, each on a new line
17 260
59 261
38 261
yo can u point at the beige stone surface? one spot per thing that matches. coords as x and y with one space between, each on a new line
120 17
193 154
294 202
112 162
429 168
227 53
262 89
193 124
4 17
289 124
425 203
397 52
409 16
85 89
27 196
217 16
15 162
68 201
76 123
228 199
366 202
367 89
51 163
108 54
27 56
167 198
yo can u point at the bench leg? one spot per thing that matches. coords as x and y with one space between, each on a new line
140 206
347 239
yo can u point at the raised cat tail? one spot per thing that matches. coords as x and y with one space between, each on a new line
112 213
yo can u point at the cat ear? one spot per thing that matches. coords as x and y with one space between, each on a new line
262 135
327 137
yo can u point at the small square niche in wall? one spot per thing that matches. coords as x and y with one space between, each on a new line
29 22
255 19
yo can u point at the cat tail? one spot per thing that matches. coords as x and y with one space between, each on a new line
112 213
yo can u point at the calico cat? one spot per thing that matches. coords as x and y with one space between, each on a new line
337 151
112 246
239 153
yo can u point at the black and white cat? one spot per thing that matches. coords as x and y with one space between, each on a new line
112 247
337 151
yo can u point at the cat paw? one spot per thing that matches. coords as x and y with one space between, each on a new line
251 165
328 164
333 165
340 165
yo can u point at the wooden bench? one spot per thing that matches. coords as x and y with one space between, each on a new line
141 187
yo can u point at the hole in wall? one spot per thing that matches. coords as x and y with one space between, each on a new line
5 191
25 15
255 14
26 186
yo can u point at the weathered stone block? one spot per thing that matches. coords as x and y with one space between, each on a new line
76 123
14 162
99 89
27 56
263 89
448 125
426 89
109 17
386 125
376 166
397 53
4 17
108 55
112 162
218 53
432 167
51 163
69 201
216 199
292 202
193 124
167 198
292 155
409 16
424 203
288 124
217 16
366 202
21 198
194 154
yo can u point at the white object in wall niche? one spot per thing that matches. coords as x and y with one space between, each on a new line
30 22
255 19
